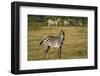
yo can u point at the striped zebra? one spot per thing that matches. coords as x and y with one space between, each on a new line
53 42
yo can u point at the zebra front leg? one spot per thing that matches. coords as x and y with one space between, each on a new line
46 49
59 52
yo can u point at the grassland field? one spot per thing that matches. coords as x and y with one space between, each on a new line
75 44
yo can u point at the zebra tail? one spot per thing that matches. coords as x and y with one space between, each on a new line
41 42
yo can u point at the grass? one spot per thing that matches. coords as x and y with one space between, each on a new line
75 44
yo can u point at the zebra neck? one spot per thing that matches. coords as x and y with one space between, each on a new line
60 38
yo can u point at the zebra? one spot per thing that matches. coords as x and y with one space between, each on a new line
57 21
52 22
53 42
66 22
80 23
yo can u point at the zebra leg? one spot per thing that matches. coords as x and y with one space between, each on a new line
59 52
46 49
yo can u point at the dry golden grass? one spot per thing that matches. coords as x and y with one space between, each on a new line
75 44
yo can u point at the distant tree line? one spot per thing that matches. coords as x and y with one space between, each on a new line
73 20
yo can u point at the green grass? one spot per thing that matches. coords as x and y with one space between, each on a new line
75 44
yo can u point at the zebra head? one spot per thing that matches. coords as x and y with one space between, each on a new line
61 36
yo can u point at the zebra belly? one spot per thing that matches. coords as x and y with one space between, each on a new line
56 45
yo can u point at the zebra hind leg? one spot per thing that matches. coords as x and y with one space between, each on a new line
46 49
59 52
